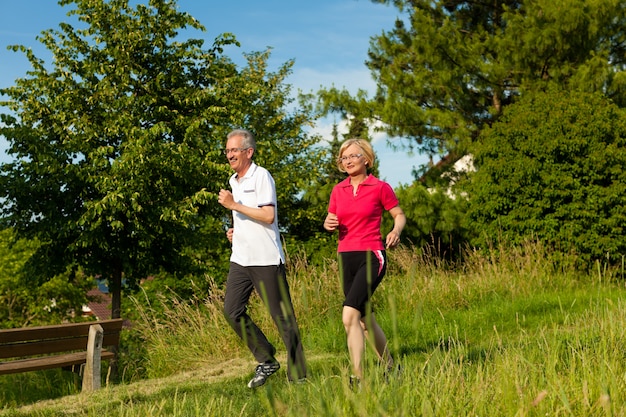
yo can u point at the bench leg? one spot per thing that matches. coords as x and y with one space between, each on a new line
91 376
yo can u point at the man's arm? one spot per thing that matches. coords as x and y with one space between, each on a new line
264 214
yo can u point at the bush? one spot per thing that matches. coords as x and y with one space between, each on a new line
434 220
552 169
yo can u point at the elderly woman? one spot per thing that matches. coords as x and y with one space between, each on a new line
355 210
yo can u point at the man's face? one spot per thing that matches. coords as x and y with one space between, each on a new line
238 157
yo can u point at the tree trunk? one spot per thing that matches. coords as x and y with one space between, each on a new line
115 287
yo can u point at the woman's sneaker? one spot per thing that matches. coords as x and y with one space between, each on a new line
392 372
262 372
355 383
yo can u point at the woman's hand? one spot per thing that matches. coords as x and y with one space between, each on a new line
331 223
392 240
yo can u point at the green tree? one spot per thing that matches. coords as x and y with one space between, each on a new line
307 232
27 299
118 145
552 168
434 219
449 67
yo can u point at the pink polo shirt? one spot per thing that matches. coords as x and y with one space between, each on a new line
360 215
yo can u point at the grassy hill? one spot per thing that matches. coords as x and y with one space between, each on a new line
504 334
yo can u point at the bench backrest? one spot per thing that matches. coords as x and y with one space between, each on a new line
29 341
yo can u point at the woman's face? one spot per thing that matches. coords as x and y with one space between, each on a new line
353 160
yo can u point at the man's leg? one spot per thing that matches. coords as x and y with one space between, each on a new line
239 286
271 283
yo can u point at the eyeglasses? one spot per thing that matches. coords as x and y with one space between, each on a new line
233 150
352 157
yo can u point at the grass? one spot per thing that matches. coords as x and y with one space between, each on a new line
504 334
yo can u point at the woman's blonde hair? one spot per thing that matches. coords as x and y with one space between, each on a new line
366 150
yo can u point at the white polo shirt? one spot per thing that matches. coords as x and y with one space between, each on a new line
255 243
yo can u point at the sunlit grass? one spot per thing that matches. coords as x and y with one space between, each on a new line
507 334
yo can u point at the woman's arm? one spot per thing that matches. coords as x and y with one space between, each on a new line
399 221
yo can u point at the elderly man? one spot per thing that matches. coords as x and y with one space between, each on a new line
257 261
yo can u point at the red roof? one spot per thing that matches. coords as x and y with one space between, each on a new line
99 306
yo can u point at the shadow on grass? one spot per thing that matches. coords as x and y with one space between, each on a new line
22 389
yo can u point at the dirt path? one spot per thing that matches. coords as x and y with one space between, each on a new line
209 373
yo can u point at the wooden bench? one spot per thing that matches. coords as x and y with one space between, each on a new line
61 346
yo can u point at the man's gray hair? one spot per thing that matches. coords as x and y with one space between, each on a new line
248 138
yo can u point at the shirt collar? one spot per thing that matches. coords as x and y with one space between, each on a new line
248 173
369 180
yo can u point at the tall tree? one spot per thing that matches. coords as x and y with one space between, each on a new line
449 67
118 144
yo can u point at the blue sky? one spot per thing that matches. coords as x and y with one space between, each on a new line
328 39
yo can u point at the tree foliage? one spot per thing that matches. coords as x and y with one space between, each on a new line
552 168
448 68
27 299
434 219
118 144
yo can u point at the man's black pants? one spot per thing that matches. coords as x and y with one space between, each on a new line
270 282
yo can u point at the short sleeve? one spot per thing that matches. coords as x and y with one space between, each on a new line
265 188
388 197
332 204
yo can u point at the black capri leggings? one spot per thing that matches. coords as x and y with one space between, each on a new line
362 272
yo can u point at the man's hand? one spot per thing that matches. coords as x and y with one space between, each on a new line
225 198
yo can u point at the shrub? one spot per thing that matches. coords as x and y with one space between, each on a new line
552 168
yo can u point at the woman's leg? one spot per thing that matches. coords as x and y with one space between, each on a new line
375 335
355 337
